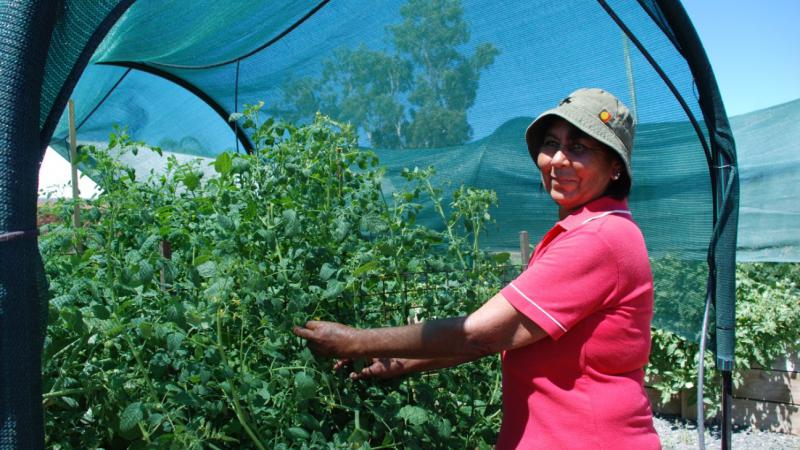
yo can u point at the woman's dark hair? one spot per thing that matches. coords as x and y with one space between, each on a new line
620 188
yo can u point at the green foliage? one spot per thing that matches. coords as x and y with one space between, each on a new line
680 287
195 350
767 320
414 97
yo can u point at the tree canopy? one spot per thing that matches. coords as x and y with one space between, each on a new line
415 94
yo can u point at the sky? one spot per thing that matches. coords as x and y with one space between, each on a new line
753 47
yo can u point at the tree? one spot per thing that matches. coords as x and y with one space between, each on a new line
417 96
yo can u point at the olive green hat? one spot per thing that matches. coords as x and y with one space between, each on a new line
595 112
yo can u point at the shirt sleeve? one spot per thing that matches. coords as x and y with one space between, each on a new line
572 278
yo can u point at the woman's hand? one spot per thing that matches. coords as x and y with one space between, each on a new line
382 368
329 338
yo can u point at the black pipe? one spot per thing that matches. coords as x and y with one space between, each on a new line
727 408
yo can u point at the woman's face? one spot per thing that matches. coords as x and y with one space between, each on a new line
576 168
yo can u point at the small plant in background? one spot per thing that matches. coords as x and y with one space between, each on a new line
767 320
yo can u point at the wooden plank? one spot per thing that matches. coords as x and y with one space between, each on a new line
767 400
760 415
672 407
689 405
774 386
789 363
767 416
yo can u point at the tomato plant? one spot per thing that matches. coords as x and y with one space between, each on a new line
170 327
767 319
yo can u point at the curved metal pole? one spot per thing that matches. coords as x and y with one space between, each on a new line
219 109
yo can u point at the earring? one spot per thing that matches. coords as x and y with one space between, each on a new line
615 177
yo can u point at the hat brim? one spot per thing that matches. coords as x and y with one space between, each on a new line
581 119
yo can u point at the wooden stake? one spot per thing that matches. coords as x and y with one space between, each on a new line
524 249
73 160
166 253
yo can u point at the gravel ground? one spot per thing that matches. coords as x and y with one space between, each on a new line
677 434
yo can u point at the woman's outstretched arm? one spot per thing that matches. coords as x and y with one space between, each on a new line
494 327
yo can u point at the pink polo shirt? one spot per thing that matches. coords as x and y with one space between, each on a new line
590 287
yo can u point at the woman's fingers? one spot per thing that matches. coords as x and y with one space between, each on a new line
327 338
310 330
304 333
380 368
341 363
366 372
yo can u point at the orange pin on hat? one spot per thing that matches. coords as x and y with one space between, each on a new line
605 116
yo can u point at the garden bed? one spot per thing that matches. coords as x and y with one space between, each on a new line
768 399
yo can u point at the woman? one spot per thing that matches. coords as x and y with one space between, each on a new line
574 328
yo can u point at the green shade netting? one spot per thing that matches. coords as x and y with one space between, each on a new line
493 66
448 83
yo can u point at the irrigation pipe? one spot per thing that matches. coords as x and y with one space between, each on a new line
701 432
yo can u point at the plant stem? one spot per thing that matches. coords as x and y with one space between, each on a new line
62 393
437 204
138 357
145 434
234 395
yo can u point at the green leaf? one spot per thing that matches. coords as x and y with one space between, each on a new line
291 223
240 165
305 385
444 428
341 229
366 267
335 287
145 273
191 180
70 402
326 271
208 269
101 312
358 436
298 433
174 341
73 318
413 414
146 328
501 258
130 417
223 163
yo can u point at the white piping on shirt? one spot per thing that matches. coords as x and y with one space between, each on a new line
538 307
613 211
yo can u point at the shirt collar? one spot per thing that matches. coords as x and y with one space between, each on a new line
593 209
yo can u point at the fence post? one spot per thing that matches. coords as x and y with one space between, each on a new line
524 249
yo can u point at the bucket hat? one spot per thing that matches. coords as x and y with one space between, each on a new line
597 113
